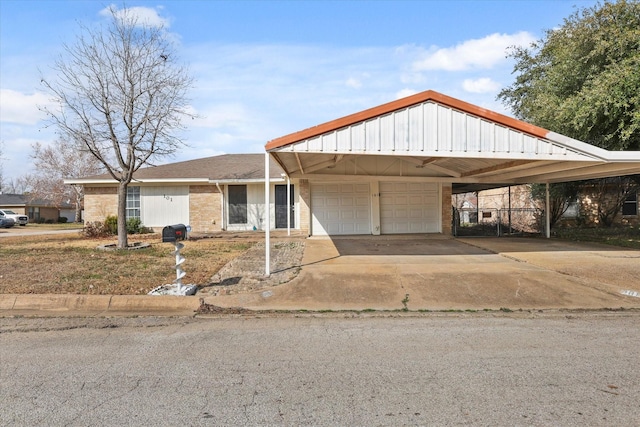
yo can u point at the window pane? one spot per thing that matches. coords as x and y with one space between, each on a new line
630 206
133 202
237 204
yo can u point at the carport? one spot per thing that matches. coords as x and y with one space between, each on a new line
392 169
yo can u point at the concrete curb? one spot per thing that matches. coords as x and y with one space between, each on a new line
54 304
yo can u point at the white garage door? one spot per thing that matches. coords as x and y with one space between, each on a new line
340 208
409 207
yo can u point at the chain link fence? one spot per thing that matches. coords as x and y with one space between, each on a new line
497 222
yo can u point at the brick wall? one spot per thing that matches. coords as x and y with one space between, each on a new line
304 206
100 202
205 211
446 209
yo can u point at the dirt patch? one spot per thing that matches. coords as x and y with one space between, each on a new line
247 271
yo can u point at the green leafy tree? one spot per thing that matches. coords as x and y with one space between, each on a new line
121 95
583 78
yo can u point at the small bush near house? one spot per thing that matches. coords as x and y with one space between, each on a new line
95 229
134 225
40 221
111 224
62 219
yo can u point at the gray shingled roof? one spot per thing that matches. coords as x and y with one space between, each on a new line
21 200
216 168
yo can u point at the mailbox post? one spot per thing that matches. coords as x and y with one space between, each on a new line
175 234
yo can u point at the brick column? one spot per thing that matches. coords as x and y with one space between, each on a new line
446 209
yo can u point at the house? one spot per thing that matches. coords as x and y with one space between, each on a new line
393 168
38 210
210 194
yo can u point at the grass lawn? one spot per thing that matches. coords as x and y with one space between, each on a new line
70 263
628 237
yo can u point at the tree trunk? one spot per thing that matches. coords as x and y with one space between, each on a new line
79 194
122 215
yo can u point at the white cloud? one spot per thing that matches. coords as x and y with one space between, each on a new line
17 107
353 83
144 15
481 85
482 53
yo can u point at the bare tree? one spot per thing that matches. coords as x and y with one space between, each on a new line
55 163
122 95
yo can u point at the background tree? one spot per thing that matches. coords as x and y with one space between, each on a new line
55 163
583 78
560 196
121 95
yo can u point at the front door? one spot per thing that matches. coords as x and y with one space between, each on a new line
282 208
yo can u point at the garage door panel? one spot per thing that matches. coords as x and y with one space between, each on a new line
342 208
409 207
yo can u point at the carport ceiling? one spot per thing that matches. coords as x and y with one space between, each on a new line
430 136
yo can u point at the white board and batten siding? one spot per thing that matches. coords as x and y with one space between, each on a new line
340 209
409 207
162 206
435 130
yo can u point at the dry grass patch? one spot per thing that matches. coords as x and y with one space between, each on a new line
70 263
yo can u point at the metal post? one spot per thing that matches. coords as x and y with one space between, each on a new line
180 273
267 231
547 211
288 205
510 229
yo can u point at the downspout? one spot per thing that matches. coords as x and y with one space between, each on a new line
222 207
267 231
547 216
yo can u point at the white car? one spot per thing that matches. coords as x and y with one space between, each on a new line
17 218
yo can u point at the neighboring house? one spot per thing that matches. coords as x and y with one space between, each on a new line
210 194
583 210
37 210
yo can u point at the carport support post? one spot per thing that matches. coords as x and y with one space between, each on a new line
547 213
267 204
288 205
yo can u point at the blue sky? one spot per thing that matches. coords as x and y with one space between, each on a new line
264 69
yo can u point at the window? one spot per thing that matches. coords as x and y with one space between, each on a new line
237 204
630 206
34 213
133 202
572 210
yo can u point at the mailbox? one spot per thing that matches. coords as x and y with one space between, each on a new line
173 233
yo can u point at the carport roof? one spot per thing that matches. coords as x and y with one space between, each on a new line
439 138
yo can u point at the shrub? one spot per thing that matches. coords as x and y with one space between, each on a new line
133 225
49 221
95 229
111 224
62 219
40 220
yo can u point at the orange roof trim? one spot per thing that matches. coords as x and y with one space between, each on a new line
399 104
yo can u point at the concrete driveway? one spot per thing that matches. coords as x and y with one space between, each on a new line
434 272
